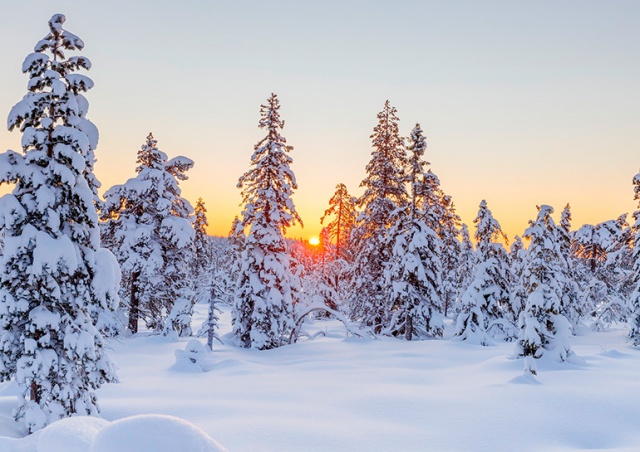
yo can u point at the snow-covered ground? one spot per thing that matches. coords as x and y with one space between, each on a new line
334 393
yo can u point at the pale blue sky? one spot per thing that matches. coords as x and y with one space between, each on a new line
523 102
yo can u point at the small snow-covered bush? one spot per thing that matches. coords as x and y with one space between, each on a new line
193 358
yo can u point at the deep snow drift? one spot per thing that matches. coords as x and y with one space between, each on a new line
334 393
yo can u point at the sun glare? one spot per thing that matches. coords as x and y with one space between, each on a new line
314 241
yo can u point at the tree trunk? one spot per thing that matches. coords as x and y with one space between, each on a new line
134 304
408 327
34 394
212 313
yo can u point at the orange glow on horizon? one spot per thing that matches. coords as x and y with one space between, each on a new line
314 241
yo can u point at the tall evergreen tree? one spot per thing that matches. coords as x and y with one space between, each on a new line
442 217
211 291
414 269
201 263
385 192
55 279
233 259
149 227
602 265
517 261
572 298
616 274
201 246
447 229
467 265
542 328
263 313
342 207
634 302
485 303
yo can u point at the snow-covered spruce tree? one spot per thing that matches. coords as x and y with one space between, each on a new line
517 261
201 247
542 328
342 207
414 270
603 267
617 271
211 291
466 265
442 219
233 260
263 312
614 239
55 279
149 227
485 303
385 191
588 248
207 276
564 233
572 298
634 301
447 229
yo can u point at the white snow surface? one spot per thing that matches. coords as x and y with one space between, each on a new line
153 433
335 393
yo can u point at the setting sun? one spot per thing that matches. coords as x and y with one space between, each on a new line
314 241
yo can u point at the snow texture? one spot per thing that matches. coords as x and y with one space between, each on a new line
334 393
157 433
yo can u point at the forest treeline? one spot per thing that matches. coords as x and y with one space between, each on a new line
77 267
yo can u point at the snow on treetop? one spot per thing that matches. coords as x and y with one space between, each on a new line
545 209
56 21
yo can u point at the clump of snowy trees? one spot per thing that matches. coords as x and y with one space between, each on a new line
396 261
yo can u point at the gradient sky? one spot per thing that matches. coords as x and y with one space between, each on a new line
523 103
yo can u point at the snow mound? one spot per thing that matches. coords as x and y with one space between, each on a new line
525 379
153 433
74 434
194 358
615 354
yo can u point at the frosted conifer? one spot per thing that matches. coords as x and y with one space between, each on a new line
201 246
414 269
542 328
263 311
634 302
572 298
485 303
202 259
517 262
602 259
55 279
385 191
466 264
342 207
233 259
441 218
447 229
211 291
149 227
